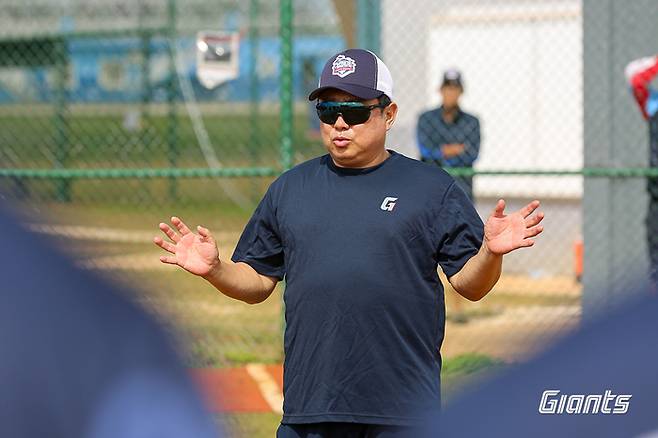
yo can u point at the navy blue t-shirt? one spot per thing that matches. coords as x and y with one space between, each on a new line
364 304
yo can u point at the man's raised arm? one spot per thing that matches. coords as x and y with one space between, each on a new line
502 234
198 254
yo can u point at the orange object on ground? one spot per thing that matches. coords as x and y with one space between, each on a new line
233 389
578 252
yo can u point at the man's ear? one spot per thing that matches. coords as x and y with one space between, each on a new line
390 112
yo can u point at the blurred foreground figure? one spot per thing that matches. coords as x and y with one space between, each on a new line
80 360
600 382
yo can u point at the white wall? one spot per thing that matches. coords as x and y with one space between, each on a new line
522 67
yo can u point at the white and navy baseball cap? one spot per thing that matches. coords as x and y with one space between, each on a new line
452 76
358 72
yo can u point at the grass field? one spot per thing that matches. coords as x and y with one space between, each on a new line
32 139
89 140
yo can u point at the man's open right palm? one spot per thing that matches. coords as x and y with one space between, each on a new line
196 253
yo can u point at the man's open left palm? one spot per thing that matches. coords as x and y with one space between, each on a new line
505 233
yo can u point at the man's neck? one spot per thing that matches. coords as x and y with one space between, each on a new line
450 114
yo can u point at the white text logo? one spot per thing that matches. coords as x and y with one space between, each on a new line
608 403
388 204
343 66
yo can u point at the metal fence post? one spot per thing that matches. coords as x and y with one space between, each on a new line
254 142
285 83
286 94
172 96
368 27
254 91
145 37
63 186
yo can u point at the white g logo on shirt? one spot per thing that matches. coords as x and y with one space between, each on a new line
388 204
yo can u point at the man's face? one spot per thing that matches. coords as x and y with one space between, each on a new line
356 145
450 95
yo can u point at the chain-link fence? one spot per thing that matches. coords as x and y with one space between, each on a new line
558 122
106 129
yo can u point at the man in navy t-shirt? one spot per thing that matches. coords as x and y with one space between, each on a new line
357 234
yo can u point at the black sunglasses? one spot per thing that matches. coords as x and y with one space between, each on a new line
354 113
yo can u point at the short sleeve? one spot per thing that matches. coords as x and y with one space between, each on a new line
459 231
260 244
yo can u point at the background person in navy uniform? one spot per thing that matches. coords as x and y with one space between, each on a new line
448 136
640 73
358 234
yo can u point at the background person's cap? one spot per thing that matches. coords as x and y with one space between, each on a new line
358 72
452 77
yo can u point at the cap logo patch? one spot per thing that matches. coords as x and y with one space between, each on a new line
343 66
